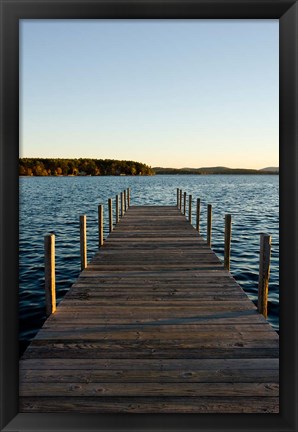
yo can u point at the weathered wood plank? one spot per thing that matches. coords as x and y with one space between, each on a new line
153 296
160 328
91 350
153 334
198 405
136 376
155 310
152 364
150 389
244 317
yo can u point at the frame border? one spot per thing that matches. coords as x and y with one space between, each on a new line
11 11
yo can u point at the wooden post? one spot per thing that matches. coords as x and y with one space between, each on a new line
117 208
83 242
228 234
121 202
50 282
264 271
184 203
189 207
100 225
198 214
128 197
180 200
125 203
110 215
178 197
209 224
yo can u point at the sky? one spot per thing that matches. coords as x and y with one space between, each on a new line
168 93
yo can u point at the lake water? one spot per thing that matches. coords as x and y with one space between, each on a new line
54 204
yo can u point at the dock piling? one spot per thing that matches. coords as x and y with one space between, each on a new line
128 197
228 234
83 242
180 200
189 207
121 202
125 202
178 194
50 282
198 214
100 225
209 224
184 203
264 271
110 215
117 208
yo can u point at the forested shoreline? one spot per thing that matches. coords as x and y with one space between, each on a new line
107 167
81 167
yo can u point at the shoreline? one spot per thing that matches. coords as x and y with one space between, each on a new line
158 174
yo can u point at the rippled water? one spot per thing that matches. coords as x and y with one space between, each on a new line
54 204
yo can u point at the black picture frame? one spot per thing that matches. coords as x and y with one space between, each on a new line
287 14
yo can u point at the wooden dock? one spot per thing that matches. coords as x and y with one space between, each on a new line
154 324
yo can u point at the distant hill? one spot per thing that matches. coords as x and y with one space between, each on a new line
214 170
271 169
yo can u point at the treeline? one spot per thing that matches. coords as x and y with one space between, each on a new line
81 167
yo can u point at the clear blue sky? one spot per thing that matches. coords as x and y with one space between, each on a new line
172 93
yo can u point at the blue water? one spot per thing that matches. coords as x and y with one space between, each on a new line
54 204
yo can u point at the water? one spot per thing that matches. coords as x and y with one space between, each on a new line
54 204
